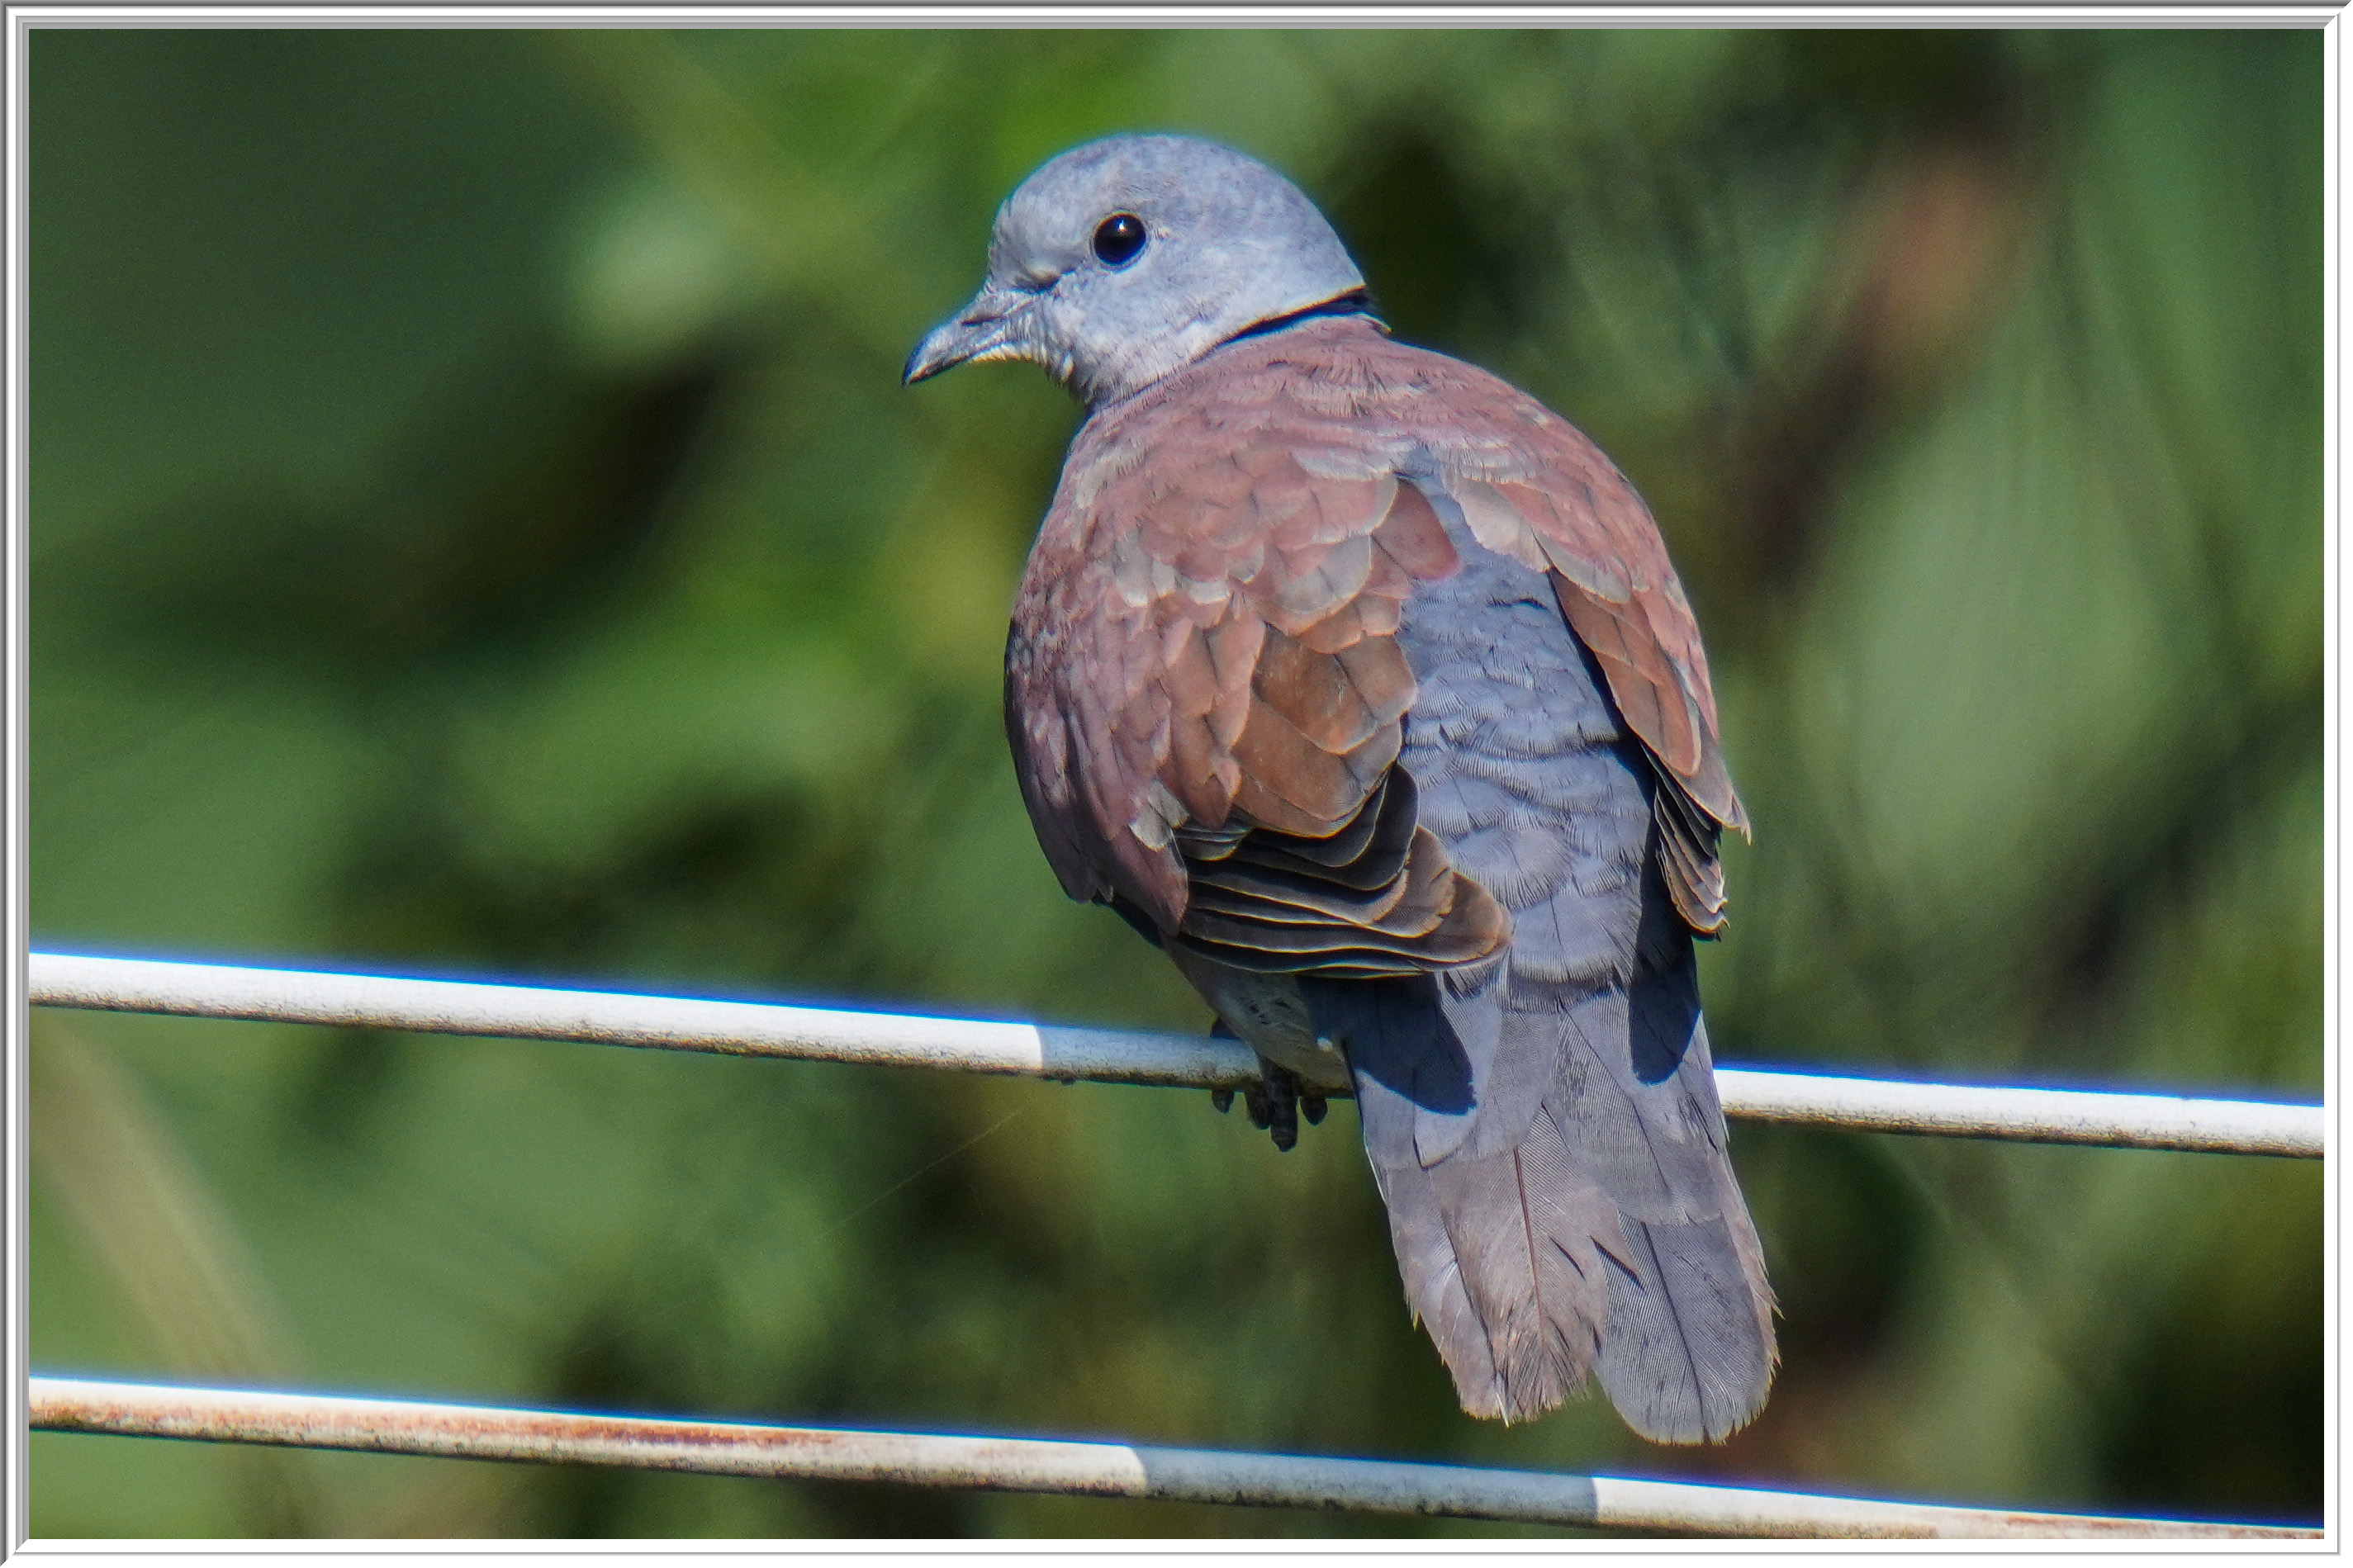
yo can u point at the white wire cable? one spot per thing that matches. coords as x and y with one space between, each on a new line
1034 1465
1103 1056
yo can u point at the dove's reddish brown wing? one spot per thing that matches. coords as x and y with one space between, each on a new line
1203 644
1205 698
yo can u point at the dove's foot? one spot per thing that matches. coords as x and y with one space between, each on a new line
1274 1108
1276 1104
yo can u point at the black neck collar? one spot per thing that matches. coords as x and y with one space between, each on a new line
1354 302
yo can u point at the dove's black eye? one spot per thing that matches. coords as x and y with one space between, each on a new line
1118 239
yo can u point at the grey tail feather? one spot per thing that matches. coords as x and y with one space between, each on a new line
1611 1240
1689 1351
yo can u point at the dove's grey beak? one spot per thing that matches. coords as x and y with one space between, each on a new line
993 326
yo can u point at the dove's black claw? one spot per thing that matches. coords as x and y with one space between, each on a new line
1281 1101
1274 1102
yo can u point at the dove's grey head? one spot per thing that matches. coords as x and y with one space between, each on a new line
1127 258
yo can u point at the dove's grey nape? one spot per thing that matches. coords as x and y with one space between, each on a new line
1361 685
1227 245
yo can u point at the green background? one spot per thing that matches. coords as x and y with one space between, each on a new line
477 529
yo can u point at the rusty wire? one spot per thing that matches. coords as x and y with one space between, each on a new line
1033 1465
1094 1469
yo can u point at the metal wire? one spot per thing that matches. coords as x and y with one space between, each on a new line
1103 1056
1033 1465
742 1028
1011 1464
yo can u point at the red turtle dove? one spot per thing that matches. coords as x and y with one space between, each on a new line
1359 682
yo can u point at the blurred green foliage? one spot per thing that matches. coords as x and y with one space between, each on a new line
477 529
